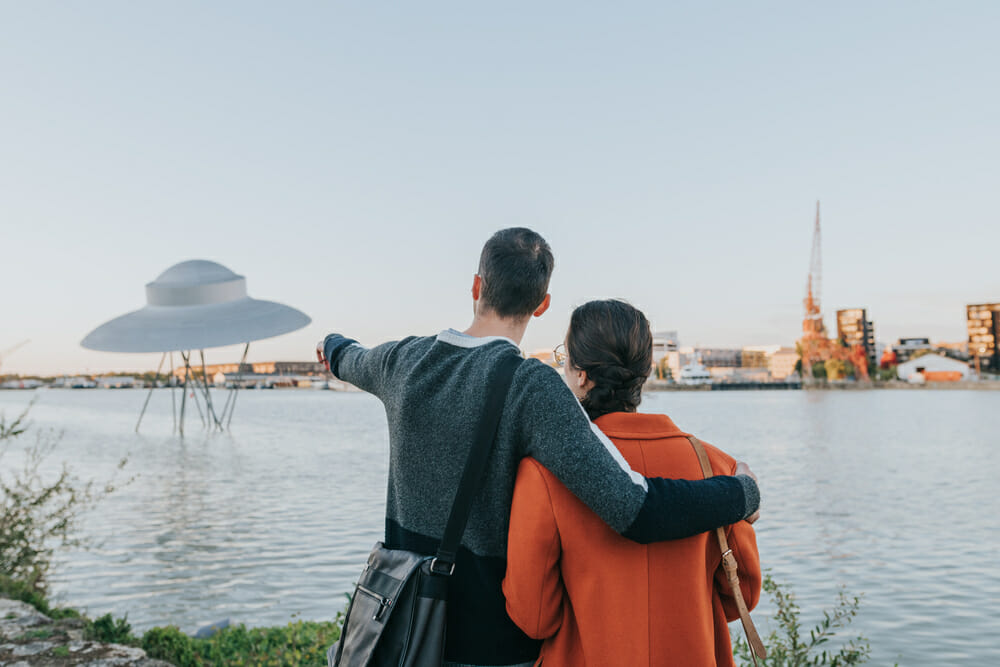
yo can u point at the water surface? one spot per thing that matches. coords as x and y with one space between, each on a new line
889 493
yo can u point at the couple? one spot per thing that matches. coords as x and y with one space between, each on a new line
582 570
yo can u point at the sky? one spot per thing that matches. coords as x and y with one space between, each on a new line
350 159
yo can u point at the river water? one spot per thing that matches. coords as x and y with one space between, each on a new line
892 494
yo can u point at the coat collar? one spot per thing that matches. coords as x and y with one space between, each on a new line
632 424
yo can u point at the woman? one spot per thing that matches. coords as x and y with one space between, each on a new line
597 598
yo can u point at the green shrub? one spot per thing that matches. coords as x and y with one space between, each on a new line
786 647
37 512
16 589
299 643
110 630
169 644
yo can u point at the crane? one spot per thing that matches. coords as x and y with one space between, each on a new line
813 323
814 342
10 350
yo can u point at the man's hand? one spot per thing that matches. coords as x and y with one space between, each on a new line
743 469
321 357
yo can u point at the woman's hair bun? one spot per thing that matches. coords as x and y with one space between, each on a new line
611 341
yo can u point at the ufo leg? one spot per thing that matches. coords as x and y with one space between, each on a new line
189 374
173 399
184 393
209 408
236 388
150 394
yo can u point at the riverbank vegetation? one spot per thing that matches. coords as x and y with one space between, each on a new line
787 645
40 510
297 643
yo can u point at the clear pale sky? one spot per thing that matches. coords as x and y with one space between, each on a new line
351 159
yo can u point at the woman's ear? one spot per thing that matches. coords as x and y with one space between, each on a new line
581 380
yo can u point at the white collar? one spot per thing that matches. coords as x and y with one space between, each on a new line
459 339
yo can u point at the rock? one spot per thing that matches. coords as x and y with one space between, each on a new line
116 655
34 648
18 617
26 633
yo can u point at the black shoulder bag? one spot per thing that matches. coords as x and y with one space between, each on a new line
398 614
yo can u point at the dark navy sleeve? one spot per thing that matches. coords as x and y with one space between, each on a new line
678 508
333 345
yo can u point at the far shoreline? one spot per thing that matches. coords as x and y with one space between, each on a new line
966 385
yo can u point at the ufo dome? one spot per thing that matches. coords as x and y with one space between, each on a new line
195 305
195 271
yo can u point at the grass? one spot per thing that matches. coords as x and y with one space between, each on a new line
298 643
42 633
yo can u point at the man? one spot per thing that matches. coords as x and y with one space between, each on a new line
433 389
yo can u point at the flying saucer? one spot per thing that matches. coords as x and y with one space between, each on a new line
195 305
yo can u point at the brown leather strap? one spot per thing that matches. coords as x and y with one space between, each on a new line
757 649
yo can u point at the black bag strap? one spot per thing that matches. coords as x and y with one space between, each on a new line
475 465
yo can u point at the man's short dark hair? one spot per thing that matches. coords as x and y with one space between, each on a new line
515 268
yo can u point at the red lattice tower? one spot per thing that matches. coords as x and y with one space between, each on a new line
814 344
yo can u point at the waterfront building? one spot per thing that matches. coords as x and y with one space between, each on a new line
117 382
76 382
257 368
880 348
299 368
932 368
719 361
983 322
906 347
758 356
854 328
959 350
720 357
21 383
782 363
664 342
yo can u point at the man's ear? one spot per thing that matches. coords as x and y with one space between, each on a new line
542 308
477 287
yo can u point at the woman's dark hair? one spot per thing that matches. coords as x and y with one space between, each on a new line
611 341
515 267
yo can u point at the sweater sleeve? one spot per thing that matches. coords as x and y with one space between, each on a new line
559 435
533 585
351 362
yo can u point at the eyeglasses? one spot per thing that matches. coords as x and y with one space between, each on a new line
559 355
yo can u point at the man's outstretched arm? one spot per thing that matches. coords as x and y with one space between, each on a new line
351 362
559 435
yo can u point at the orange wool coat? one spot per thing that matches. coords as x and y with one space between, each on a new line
600 599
